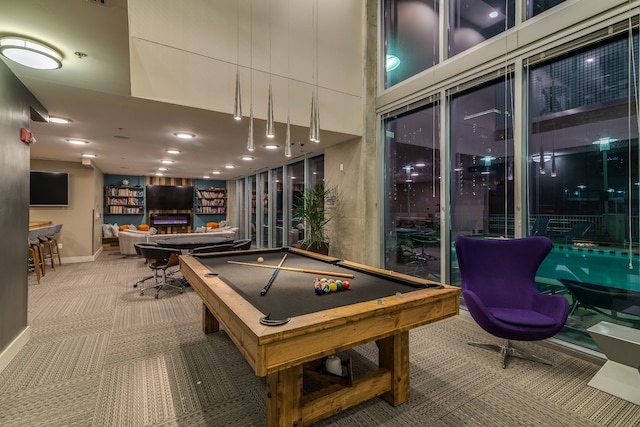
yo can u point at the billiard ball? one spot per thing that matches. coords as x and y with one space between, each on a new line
318 290
339 285
260 259
333 287
346 284
325 288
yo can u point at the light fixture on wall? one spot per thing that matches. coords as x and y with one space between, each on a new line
30 53
237 110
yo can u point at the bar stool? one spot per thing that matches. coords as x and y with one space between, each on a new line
36 255
49 241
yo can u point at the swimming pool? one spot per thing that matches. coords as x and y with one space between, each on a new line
601 266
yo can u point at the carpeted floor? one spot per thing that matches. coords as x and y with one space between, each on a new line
101 354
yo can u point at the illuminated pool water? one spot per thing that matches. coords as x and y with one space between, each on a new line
601 266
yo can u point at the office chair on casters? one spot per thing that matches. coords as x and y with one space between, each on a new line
498 286
137 247
160 259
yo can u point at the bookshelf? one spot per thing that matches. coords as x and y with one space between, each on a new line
124 200
210 201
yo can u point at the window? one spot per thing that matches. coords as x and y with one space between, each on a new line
412 187
411 38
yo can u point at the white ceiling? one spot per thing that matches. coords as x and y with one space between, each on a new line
130 134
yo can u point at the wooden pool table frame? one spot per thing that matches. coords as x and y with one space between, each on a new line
279 352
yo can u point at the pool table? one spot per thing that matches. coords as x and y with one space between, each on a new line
379 306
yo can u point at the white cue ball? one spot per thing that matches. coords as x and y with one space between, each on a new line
260 259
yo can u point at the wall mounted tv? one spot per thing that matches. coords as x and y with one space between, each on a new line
48 188
169 197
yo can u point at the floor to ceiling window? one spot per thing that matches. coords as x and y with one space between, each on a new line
482 197
295 181
583 179
412 188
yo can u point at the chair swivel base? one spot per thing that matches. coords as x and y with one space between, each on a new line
158 286
509 351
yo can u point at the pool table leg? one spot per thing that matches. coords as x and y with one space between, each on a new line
209 322
394 356
284 397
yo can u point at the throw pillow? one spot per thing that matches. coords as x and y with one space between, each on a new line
212 225
201 229
132 227
153 230
143 227
107 231
116 230
124 227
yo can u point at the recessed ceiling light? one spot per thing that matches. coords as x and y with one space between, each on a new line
62 120
420 165
206 177
247 158
493 14
173 151
30 53
216 172
159 174
166 162
88 155
271 146
184 135
229 166
162 169
76 141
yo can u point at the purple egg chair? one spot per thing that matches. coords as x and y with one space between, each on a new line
499 289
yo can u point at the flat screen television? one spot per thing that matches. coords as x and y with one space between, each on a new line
48 188
170 197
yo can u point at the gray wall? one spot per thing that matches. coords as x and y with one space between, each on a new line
17 106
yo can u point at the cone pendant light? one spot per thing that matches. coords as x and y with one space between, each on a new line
237 111
312 123
250 145
270 132
287 144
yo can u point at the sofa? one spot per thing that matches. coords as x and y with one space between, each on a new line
128 238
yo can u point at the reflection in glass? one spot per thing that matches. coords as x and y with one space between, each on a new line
295 181
535 7
412 187
411 38
482 198
471 22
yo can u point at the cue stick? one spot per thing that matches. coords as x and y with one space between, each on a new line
299 270
264 290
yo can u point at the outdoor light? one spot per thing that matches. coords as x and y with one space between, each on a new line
30 53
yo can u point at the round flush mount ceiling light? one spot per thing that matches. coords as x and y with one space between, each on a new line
30 53
184 135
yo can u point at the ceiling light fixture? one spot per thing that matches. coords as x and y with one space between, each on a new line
60 120
77 141
206 177
216 172
229 166
159 174
30 53
493 14
247 158
166 162
172 151
271 146
162 169
184 135
89 155
237 110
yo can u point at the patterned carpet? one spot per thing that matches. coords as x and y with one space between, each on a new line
101 354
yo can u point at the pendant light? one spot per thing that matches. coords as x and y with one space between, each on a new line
287 139
314 125
270 131
553 164
237 110
250 145
543 170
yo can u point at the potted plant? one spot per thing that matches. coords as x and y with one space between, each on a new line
309 209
